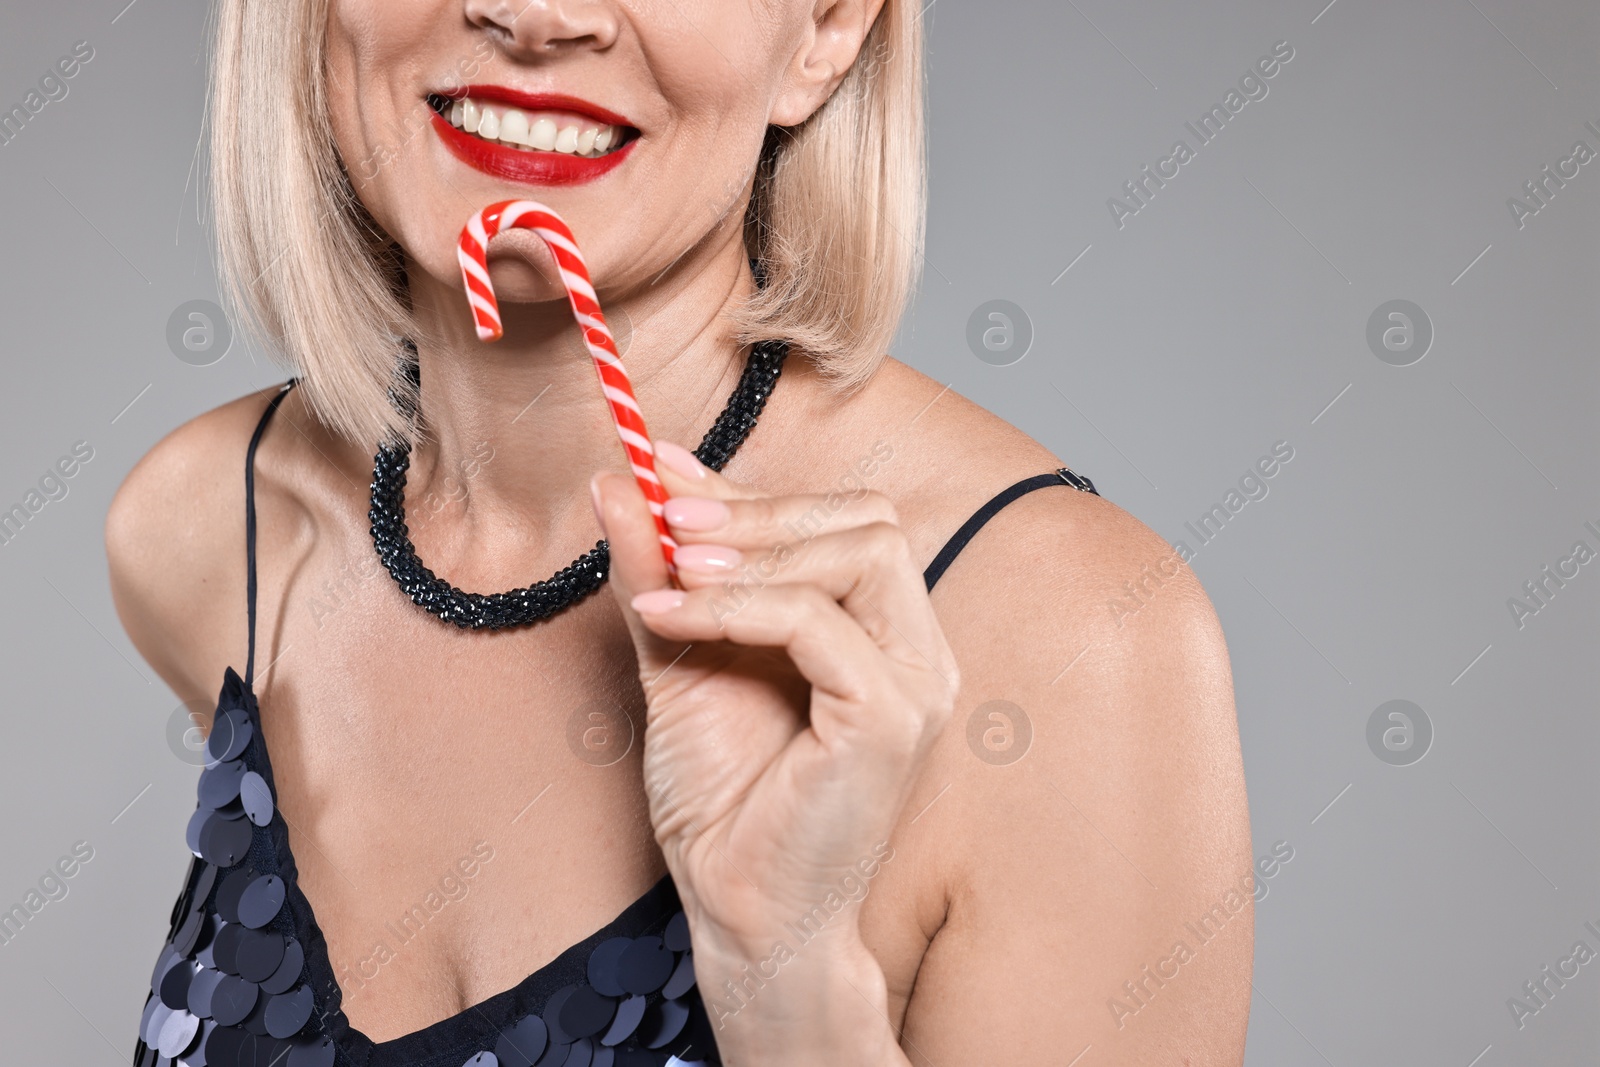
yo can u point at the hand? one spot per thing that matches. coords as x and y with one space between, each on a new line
792 694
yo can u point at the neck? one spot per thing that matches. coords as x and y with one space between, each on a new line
498 490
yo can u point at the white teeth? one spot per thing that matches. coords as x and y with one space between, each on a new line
489 125
523 129
514 126
542 134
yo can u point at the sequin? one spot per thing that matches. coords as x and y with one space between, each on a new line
177 1034
256 798
256 1021
201 988
153 1022
164 963
225 949
288 972
260 953
645 965
602 968
288 1012
581 1053
219 784
196 1056
552 1015
187 935
206 955
191 833
224 841
682 979
175 985
662 1023
586 1012
554 1056
151 1003
523 1043
261 900
229 737
676 935
233 810
233 1000
629 1014
224 1045
229 892
318 1052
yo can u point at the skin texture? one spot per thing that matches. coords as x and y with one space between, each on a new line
1009 903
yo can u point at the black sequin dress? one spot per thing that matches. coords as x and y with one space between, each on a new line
244 979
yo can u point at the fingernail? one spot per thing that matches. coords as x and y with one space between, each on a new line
696 513
594 495
707 559
681 460
657 600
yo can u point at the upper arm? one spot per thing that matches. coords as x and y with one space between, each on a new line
175 548
1099 886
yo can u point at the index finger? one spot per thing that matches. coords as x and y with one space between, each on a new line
682 474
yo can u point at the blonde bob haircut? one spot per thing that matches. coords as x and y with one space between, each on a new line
835 218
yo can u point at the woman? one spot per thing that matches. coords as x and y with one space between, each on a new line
901 826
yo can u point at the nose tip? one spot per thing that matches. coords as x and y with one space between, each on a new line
533 28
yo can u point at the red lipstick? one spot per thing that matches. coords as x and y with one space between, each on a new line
530 166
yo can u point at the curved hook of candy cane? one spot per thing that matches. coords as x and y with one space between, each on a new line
472 253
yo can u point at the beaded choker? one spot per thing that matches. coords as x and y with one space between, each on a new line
518 607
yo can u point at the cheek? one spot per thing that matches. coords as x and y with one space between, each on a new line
376 53
381 56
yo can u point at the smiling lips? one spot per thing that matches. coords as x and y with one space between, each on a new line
538 139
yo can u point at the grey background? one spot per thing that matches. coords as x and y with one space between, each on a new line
1228 314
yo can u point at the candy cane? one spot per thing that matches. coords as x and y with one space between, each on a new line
614 383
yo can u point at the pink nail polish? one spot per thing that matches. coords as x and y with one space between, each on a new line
707 559
657 600
697 513
680 460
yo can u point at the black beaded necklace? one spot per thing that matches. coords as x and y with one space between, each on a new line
517 607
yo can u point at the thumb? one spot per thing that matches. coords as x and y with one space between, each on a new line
637 565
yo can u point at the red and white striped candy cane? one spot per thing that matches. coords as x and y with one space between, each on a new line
614 383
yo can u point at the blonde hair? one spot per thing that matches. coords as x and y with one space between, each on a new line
835 219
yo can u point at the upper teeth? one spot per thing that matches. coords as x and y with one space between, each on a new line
548 131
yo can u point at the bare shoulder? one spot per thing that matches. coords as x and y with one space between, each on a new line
174 538
1087 799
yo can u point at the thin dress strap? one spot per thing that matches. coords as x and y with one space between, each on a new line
947 554
250 527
